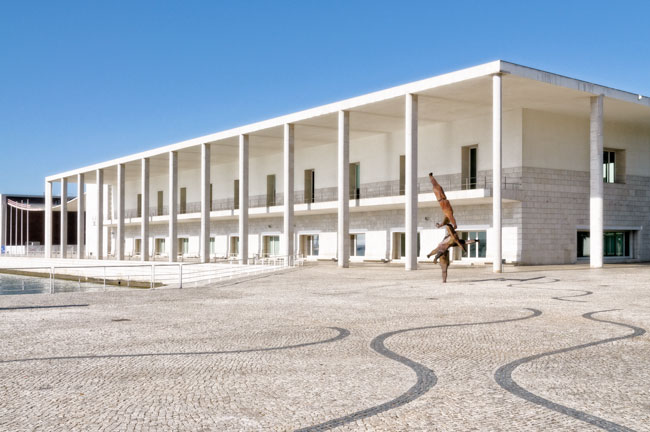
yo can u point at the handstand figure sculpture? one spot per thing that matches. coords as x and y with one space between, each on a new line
444 203
442 250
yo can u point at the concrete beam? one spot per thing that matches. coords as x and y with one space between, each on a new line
81 212
596 182
48 219
204 241
497 133
411 181
63 251
343 169
119 241
144 226
99 227
172 248
288 190
243 199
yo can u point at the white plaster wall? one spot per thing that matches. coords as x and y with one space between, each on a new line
556 141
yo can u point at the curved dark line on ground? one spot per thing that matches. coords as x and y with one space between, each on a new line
42 307
426 378
503 376
553 280
343 333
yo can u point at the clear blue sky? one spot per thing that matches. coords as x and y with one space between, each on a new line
82 82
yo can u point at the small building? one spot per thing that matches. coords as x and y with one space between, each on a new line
542 168
22 223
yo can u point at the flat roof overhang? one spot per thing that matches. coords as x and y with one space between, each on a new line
462 94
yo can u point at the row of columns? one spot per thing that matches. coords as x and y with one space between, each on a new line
343 150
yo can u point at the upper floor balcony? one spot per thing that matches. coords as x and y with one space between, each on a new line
367 197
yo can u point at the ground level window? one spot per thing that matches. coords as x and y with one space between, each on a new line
309 245
271 246
357 245
399 245
160 246
212 245
137 246
615 244
234 246
183 246
474 250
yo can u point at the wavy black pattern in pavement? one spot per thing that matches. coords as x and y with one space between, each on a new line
426 378
503 376
343 333
523 284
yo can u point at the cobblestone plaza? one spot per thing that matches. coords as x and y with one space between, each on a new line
318 348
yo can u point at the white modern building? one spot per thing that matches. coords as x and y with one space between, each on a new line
542 168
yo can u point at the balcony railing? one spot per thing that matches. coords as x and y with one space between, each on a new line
376 190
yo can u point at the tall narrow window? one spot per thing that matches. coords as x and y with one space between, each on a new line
160 246
137 246
210 196
236 195
402 174
357 245
234 246
139 206
183 246
213 246
309 186
271 245
613 166
270 190
183 200
309 245
159 208
469 156
355 180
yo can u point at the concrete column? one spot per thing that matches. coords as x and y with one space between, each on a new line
411 181
119 241
3 221
288 190
64 219
343 233
172 248
204 241
144 225
48 219
81 210
99 227
243 199
497 123
596 183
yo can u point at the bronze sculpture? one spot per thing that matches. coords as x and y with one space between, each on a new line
444 203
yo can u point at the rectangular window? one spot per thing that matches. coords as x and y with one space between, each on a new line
234 246
357 245
309 245
137 246
613 166
474 250
160 246
213 246
139 206
236 195
402 174
469 156
399 245
183 246
210 196
355 180
615 244
271 246
309 185
159 209
183 208
270 190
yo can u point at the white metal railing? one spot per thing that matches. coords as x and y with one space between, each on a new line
170 275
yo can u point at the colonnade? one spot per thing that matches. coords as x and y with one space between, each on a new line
343 216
